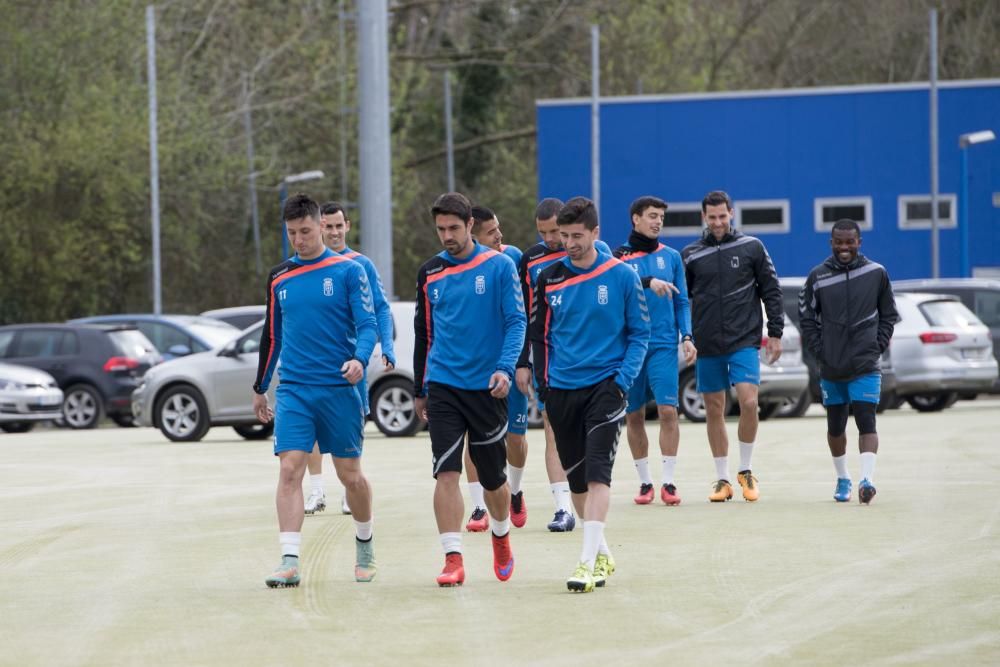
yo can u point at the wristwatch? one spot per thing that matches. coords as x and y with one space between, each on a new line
686 338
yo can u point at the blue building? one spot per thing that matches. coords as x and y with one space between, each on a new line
793 161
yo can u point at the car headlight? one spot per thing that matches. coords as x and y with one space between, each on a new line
10 385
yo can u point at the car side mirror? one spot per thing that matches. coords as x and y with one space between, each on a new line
179 350
229 350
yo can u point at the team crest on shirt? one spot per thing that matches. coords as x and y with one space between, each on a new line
327 286
734 261
602 294
660 264
480 284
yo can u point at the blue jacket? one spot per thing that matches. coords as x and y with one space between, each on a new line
588 325
469 320
318 315
383 313
670 315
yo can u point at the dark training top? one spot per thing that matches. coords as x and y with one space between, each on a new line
847 314
726 282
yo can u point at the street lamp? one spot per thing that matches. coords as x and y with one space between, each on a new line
302 177
964 141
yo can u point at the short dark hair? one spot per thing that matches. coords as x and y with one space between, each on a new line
331 207
300 205
846 224
452 203
640 205
481 214
578 210
714 198
547 208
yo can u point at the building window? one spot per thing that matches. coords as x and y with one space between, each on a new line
915 211
765 216
829 210
682 220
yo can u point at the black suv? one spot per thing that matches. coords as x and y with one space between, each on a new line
97 367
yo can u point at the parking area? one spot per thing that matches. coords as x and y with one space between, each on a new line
125 545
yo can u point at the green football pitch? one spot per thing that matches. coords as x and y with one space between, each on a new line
120 548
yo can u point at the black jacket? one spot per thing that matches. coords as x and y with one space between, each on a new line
726 281
847 314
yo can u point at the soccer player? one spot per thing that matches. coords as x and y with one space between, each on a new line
336 225
847 314
728 275
535 259
662 275
589 332
320 320
486 232
467 293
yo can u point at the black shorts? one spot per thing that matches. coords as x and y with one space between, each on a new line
587 423
451 413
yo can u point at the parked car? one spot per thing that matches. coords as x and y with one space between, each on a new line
940 349
240 317
185 397
173 335
27 396
790 288
781 383
979 295
97 367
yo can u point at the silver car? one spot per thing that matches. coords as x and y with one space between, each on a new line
185 397
940 348
27 396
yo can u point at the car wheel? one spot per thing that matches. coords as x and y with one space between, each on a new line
930 402
82 406
393 409
256 431
182 414
535 419
125 421
767 410
17 427
795 408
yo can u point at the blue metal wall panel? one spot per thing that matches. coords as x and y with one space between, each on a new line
797 147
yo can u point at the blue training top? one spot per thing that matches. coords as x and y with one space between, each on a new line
383 313
670 315
469 321
588 324
319 314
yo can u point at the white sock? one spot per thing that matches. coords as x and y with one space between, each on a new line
722 467
642 467
290 543
840 463
500 528
603 549
669 463
593 535
316 483
514 476
868 466
476 493
451 542
560 492
746 454
363 529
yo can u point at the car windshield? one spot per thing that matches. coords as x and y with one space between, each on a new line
949 314
132 342
213 332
